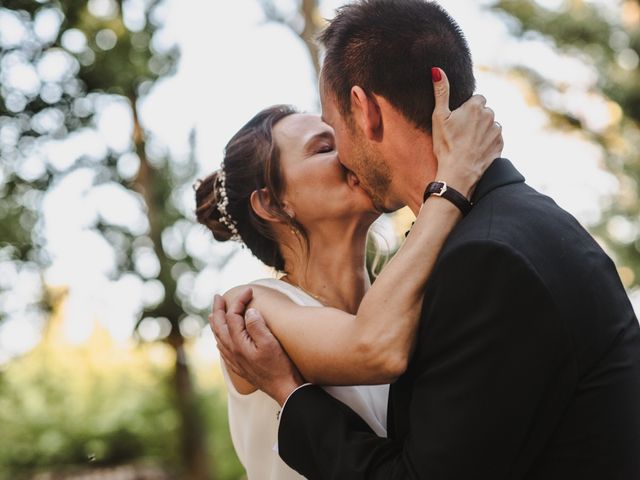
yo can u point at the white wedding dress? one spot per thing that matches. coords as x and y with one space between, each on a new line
253 418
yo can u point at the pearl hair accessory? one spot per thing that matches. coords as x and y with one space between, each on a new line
225 216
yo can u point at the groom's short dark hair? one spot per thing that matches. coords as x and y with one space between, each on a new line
388 47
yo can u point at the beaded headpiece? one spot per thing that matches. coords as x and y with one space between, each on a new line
225 216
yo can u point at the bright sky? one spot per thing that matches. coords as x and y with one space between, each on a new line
232 65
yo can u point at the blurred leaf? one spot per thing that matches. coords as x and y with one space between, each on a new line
607 38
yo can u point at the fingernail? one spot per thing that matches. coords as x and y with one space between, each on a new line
435 74
251 313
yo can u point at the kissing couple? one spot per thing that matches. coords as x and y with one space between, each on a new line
498 343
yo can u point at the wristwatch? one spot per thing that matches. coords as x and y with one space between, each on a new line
441 189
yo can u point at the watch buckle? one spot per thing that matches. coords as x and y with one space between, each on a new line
442 191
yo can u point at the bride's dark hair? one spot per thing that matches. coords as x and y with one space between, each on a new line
251 162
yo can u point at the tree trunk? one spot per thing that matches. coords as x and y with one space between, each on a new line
313 23
312 26
194 449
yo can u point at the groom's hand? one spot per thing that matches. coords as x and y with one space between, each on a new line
249 348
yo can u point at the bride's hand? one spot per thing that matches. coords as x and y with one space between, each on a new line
465 141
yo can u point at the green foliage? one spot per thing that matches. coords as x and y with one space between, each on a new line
62 410
79 57
53 105
223 457
107 58
606 37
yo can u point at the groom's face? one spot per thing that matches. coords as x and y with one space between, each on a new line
357 154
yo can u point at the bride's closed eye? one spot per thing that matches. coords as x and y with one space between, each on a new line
325 148
321 143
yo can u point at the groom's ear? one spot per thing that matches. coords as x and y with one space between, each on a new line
366 113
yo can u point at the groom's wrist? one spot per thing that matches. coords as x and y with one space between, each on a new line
442 189
283 391
464 186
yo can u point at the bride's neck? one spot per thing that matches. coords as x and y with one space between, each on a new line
334 269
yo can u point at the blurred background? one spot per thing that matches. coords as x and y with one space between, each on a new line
110 110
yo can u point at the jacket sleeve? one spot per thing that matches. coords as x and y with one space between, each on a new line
491 375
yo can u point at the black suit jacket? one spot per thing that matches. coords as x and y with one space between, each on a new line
527 363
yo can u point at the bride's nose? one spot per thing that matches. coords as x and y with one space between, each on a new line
337 163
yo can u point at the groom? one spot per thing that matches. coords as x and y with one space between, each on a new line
527 360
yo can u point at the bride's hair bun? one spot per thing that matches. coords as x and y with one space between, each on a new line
208 197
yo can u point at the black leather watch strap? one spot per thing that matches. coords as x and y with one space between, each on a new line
441 189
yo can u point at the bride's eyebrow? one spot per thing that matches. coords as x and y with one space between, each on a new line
324 135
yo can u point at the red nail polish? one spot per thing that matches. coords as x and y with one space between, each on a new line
435 74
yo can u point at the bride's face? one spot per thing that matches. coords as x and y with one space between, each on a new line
318 186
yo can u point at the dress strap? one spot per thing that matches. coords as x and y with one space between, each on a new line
295 294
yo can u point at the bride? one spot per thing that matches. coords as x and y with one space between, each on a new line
283 192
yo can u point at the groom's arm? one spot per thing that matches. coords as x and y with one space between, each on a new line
492 373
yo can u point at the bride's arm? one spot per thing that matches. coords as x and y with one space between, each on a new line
332 347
